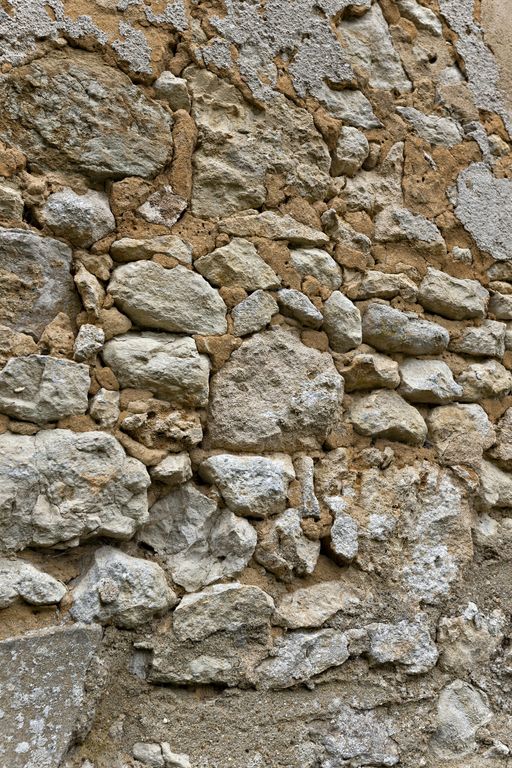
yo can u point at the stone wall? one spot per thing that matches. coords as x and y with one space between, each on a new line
255 384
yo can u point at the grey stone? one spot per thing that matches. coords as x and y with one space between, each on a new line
310 607
20 579
173 470
502 452
421 16
406 643
380 188
199 542
486 340
11 202
452 297
81 219
70 111
50 494
163 207
481 380
351 151
273 226
460 434
305 470
381 285
436 130
90 289
237 263
274 393
104 407
295 304
348 105
58 659
485 209
400 224
318 264
495 486
284 550
342 322
255 486
36 280
148 753
41 388
167 364
385 414
461 710
174 759
221 608
370 371
120 589
390 330
88 343
174 299
500 305
174 90
427 381
131 249
253 313
344 533
299 656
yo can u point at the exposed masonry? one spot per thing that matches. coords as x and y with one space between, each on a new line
255 386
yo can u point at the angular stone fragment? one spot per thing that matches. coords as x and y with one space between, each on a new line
104 407
175 299
502 452
461 710
20 579
35 280
432 128
127 591
41 388
11 203
237 148
295 304
174 90
318 264
237 263
397 224
351 151
344 534
253 313
312 606
500 305
131 249
370 371
486 340
284 550
484 207
374 190
221 608
427 381
199 542
481 380
451 297
390 330
37 730
81 219
348 105
342 322
495 486
274 393
406 643
163 207
299 656
59 487
70 111
90 289
460 434
273 226
255 486
173 470
149 754
421 16
381 285
385 414
168 365
89 341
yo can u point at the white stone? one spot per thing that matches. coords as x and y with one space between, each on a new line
284 550
88 343
310 607
400 224
104 407
163 207
344 533
351 151
253 313
427 381
168 299
50 493
481 380
174 759
41 388
316 263
387 415
273 226
381 285
221 608
173 470
390 330
148 753
452 297
406 643
132 249
293 303
500 305
168 365
342 322
174 90
421 16
254 486
486 340
118 588
81 219
20 579
237 263
461 710
495 486
90 289
434 129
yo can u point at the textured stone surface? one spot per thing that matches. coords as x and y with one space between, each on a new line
342 322
253 313
386 414
237 264
20 580
312 606
37 730
81 219
390 330
318 263
427 381
448 296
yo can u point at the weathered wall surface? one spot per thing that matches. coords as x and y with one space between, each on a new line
255 384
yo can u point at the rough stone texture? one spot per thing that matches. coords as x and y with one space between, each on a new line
313 606
36 282
342 322
284 550
168 299
168 365
407 644
427 381
274 226
450 297
20 580
59 487
81 219
37 730
460 434
294 304
250 410
237 264
318 263
253 313
386 414
390 330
